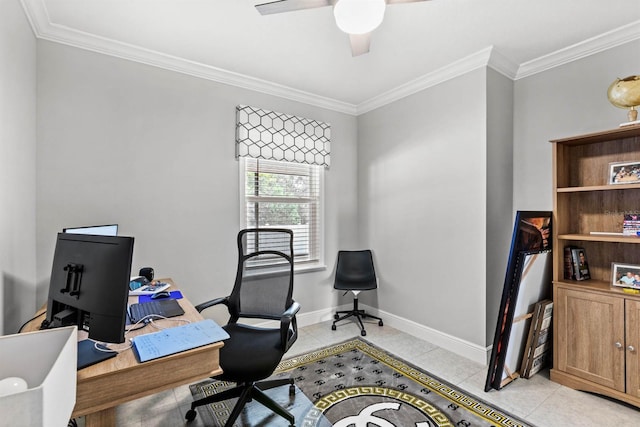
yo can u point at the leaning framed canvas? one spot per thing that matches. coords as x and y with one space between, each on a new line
532 284
625 275
624 173
531 234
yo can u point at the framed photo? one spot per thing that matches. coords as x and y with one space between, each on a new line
624 173
625 275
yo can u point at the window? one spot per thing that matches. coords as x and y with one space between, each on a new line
282 159
285 195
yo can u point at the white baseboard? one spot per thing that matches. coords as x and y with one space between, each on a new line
313 317
456 345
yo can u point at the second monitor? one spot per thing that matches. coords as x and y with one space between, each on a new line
102 230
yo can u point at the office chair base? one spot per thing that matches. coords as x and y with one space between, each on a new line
246 393
358 314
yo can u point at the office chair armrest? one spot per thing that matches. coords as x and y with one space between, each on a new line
217 301
289 326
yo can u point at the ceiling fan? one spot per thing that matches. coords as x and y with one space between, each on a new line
358 18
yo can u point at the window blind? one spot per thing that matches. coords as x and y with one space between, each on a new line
288 195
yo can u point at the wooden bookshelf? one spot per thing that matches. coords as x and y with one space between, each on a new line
596 336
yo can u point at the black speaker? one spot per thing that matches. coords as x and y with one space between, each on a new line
146 272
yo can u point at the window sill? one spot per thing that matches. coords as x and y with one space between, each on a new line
309 268
274 272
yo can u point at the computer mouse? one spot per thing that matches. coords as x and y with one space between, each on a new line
161 294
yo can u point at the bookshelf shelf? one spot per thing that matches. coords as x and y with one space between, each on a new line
608 187
600 238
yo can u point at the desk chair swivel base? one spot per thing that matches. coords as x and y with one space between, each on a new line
246 392
357 313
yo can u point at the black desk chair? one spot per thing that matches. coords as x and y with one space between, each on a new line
355 273
253 353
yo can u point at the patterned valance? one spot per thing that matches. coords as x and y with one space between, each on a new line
264 134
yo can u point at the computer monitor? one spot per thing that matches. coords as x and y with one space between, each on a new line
89 285
101 230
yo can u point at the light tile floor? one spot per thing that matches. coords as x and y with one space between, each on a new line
537 400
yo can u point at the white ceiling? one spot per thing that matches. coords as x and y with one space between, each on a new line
302 55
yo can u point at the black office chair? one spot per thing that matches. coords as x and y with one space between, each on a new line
252 353
355 273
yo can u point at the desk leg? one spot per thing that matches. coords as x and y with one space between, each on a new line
104 418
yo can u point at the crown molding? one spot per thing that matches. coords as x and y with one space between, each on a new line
486 57
602 42
36 14
502 64
43 29
460 67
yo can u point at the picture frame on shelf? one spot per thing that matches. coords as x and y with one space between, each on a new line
580 264
624 172
625 275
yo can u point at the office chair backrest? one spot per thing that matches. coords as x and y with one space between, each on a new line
268 295
354 270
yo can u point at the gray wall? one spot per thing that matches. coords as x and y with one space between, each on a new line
422 202
410 201
154 151
17 167
499 190
564 101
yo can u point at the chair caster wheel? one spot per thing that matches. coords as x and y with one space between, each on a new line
363 333
380 323
191 415
333 327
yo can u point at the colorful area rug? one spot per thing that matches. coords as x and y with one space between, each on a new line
357 384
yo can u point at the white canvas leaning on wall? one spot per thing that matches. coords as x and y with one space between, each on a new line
534 285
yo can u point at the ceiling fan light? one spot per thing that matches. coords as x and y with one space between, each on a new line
359 16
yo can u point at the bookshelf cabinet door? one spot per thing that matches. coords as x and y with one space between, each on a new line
632 347
591 337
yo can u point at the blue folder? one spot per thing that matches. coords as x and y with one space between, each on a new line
88 355
180 338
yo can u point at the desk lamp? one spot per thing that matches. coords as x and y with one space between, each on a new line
47 361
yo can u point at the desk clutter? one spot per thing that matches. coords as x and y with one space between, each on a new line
141 286
156 344
88 371
174 340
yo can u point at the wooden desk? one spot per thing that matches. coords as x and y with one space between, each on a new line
103 386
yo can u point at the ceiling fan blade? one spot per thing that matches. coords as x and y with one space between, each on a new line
281 6
360 43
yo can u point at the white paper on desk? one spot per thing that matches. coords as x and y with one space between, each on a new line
180 338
